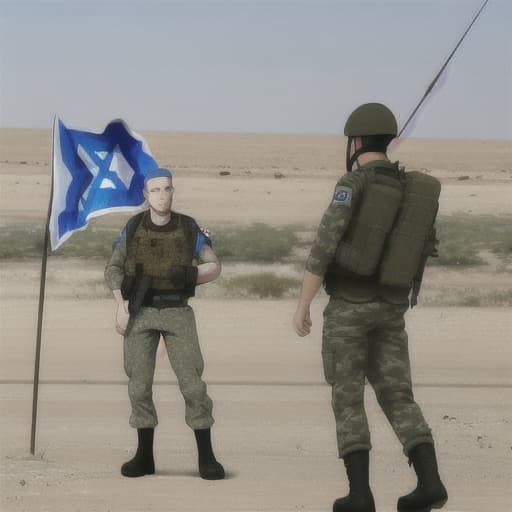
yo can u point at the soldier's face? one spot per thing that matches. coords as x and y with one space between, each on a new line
158 193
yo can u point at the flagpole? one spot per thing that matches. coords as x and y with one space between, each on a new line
431 86
40 311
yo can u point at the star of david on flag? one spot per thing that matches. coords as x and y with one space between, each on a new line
95 174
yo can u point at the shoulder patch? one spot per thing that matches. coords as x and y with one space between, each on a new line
342 195
202 238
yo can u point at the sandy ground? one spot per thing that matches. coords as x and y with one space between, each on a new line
476 175
274 430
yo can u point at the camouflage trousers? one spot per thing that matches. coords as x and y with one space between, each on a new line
369 340
178 328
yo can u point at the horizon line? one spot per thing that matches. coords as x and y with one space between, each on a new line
277 134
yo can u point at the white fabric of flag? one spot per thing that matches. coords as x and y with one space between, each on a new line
95 174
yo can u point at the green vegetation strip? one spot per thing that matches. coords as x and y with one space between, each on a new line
463 241
264 285
464 237
255 243
24 241
470 297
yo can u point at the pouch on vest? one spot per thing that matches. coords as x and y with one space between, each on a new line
360 251
403 252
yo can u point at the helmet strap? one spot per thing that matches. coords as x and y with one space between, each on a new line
348 161
357 153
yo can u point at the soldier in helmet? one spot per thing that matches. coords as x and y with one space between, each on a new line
369 250
152 273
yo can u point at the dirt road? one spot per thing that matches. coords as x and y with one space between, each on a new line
274 429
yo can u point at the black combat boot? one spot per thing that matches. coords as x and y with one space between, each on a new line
209 468
143 462
430 492
360 498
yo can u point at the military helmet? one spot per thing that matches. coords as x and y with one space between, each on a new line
371 119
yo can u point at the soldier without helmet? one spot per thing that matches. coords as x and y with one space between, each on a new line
369 253
152 273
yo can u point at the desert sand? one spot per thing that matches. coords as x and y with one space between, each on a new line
274 428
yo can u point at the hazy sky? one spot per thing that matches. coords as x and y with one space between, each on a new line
254 66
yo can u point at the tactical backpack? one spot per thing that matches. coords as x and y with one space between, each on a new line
361 248
406 246
389 230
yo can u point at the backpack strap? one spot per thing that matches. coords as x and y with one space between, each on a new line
132 225
191 231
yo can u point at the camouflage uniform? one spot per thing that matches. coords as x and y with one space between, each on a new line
178 328
363 334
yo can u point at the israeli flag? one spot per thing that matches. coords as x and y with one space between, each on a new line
95 174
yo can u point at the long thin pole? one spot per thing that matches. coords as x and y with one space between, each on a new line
40 315
431 86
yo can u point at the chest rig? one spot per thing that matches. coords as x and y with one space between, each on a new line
153 252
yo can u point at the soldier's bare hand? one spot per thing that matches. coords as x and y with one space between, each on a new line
302 321
122 317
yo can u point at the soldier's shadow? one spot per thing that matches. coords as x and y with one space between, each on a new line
188 473
176 472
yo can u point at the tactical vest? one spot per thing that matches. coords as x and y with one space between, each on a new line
388 231
154 252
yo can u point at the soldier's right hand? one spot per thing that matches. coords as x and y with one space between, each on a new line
302 321
122 317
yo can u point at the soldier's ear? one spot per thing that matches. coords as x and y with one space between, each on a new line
145 192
